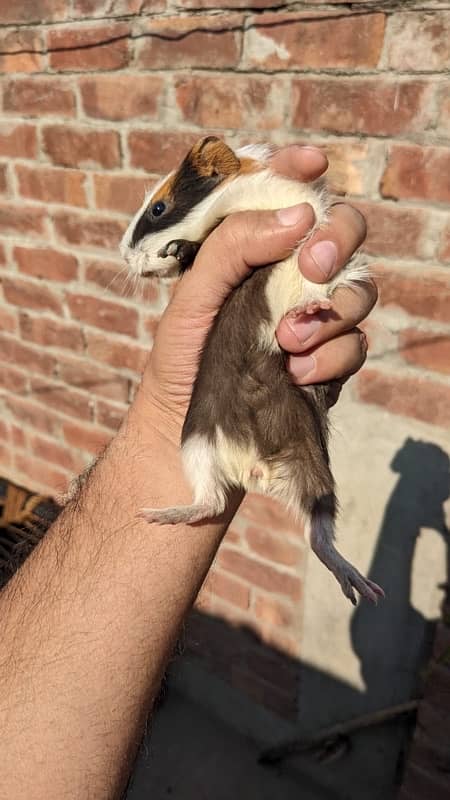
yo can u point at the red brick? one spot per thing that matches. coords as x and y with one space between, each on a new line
409 396
22 219
52 185
5 456
18 141
268 513
426 349
18 437
103 313
443 108
115 352
88 231
229 589
51 451
21 39
274 698
103 8
280 640
16 352
75 47
109 415
41 474
272 547
420 293
63 399
200 41
222 3
92 378
45 262
304 41
13 380
151 325
262 575
416 173
371 105
49 332
85 437
38 96
4 431
395 231
119 192
273 612
35 11
231 101
28 294
109 275
29 412
78 147
8 320
121 97
159 152
419 41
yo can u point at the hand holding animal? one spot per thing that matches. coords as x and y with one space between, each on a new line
248 425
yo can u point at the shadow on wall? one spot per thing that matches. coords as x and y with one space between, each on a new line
392 643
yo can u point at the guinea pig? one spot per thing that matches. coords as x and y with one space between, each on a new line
248 425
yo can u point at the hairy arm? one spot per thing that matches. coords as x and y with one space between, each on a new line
90 620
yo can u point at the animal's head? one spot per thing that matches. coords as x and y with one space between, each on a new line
181 207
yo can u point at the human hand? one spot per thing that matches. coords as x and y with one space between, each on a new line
335 348
327 346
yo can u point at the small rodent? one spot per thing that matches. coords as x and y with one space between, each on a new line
247 425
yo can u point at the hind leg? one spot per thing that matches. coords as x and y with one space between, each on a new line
321 537
205 478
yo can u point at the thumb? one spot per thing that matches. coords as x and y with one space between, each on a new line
244 240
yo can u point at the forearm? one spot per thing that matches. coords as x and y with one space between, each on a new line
92 619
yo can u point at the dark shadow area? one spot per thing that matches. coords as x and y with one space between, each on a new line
392 642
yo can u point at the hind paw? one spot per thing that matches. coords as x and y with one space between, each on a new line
351 579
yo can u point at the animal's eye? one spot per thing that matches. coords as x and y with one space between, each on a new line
158 208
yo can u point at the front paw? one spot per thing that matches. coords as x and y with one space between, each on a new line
183 250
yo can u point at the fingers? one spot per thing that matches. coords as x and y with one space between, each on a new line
243 241
303 163
336 359
329 249
298 333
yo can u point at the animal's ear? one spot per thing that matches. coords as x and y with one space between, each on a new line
214 159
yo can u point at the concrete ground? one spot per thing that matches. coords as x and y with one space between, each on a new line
189 755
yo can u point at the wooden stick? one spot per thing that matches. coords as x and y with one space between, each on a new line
278 752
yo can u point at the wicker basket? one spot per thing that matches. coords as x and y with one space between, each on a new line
24 519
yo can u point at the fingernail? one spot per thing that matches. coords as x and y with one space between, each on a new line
324 254
303 326
301 366
292 215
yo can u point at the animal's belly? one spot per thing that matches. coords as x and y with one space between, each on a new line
283 292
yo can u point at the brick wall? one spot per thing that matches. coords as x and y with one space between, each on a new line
98 99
